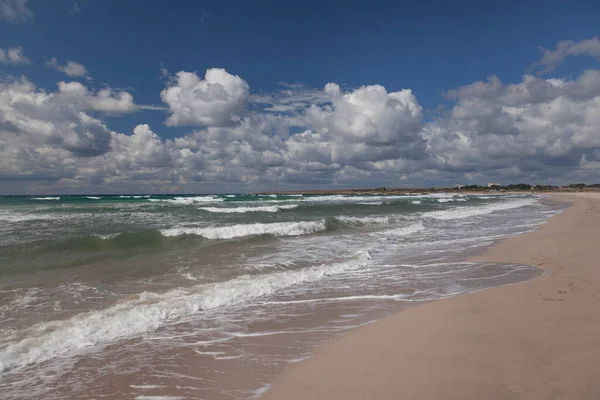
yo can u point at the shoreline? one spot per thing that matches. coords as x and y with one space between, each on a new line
538 339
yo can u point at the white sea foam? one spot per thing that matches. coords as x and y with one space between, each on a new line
209 353
107 236
342 199
466 212
416 202
351 199
404 230
299 359
229 210
198 199
190 277
258 393
146 386
375 297
243 230
20 217
364 220
190 200
21 301
440 195
93 197
153 310
45 198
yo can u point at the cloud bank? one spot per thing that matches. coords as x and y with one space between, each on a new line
534 130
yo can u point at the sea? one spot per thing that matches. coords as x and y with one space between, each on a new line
210 296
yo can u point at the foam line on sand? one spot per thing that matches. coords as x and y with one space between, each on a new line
536 340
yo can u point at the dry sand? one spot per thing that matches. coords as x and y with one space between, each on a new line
535 340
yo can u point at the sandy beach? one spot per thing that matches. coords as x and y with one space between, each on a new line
535 340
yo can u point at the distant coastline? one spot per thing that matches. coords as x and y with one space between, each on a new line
468 189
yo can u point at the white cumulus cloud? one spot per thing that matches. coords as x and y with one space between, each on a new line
217 100
13 56
32 117
536 128
71 68
298 137
105 100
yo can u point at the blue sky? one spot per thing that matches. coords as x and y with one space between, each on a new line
430 47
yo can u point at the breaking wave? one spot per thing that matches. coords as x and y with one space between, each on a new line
405 230
466 212
190 200
363 220
242 210
244 230
150 311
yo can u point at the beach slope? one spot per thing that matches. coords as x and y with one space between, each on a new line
535 340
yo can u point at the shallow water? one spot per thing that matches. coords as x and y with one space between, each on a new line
209 296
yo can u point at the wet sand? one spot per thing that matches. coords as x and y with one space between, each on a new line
535 340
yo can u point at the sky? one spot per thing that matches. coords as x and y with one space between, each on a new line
252 95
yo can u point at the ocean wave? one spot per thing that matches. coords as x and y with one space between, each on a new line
21 217
351 199
244 230
440 195
107 236
150 311
404 230
93 197
229 210
466 212
363 220
45 198
190 200
105 241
